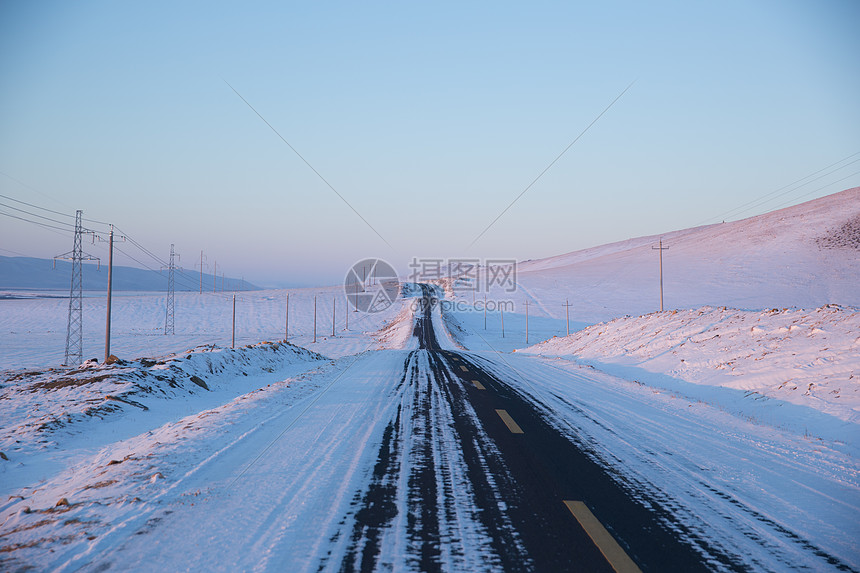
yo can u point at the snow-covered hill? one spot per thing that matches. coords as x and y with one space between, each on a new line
803 256
760 310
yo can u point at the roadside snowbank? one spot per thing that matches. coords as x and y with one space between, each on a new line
809 358
49 416
397 332
131 483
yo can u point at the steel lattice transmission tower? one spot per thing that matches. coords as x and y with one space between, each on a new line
169 327
74 329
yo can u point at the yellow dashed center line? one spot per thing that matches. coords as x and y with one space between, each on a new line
478 385
463 368
614 554
509 422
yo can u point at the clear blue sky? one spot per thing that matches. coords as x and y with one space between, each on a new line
429 118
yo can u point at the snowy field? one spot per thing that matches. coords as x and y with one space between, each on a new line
136 465
740 411
33 325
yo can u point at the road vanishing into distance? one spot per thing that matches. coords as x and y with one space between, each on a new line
434 458
544 503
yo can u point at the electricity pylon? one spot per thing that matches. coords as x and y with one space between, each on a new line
169 326
74 328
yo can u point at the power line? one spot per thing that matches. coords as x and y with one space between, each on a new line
553 162
318 174
70 226
36 206
46 225
49 210
61 227
760 203
144 265
31 188
815 191
186 285
13 252
772 195
130 239
37 215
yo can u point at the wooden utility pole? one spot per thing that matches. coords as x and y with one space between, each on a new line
333 310
566 306
215 277
315 318
527 321
660 250
287 322
233 343
346 312
485 312
201 271
355 306
109 293
502 310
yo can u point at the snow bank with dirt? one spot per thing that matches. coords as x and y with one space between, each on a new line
49 416
130 481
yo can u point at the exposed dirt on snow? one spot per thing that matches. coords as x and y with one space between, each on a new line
34 404
846 236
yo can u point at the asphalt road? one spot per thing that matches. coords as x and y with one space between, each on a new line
546 505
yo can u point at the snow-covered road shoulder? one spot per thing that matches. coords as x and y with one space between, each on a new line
776 500
101 495
49 416
807 358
